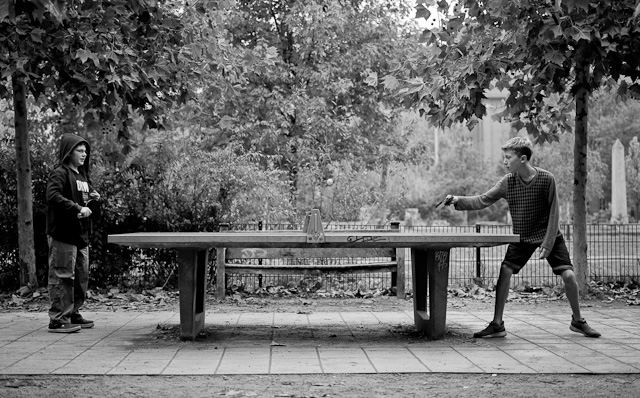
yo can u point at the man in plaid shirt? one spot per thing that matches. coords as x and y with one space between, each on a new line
533 204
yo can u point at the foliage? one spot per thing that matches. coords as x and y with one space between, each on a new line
42 159
314 110
177 186
105 59
632 162
355 195
612 117
461 170
556 157
371 195
528 49
167 183
41 155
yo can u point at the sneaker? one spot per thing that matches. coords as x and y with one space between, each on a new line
81 322
583 327
57 327
493 330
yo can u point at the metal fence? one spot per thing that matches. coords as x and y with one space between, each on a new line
613 254
330 282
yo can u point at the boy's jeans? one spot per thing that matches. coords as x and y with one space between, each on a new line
68 279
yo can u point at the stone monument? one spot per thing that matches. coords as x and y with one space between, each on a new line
619 213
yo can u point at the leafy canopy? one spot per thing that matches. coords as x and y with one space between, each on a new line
314 108
107 59
529 49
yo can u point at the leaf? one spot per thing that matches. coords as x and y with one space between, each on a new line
390 82
583 4
372 79
634 90
36 35
4 9
422 12
580 4
579 34
415 85
83 55
555 57
55 7
557 31
227 122
110 55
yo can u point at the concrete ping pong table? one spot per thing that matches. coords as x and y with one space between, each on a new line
429 260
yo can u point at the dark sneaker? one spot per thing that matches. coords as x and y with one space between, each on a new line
83 323
583 327
493 330
57 327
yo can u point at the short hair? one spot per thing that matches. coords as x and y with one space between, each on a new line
519 145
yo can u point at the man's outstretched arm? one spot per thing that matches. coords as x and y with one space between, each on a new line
479 202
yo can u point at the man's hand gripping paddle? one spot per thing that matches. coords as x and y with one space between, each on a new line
444 202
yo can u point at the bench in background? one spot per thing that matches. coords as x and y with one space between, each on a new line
316 261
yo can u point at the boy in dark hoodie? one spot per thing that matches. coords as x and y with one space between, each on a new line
68 224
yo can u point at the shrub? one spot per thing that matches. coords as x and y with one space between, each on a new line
165 185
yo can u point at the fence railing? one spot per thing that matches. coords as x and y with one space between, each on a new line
613 254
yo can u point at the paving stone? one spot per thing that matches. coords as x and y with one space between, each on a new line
539 341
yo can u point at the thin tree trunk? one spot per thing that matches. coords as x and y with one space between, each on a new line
580 178
25 196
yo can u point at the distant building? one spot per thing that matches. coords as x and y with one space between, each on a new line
489 135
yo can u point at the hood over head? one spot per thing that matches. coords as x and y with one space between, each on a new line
68 143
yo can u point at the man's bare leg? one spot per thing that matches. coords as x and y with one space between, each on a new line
502 292
573 292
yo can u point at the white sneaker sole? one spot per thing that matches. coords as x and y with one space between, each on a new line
575 329
491 336
83 325
65 330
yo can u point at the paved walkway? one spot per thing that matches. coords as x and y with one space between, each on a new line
146 343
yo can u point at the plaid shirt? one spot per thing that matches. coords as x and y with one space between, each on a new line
533 206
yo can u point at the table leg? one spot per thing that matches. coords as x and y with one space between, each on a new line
430 282
221 282
192 264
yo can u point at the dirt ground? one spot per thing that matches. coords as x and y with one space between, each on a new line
358 385
347 385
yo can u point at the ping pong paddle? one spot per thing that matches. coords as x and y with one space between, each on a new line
444 202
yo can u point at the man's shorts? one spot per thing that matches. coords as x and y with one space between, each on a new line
519 253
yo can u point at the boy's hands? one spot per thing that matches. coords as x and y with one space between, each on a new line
84 212
544 253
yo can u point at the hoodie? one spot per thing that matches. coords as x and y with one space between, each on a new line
67 192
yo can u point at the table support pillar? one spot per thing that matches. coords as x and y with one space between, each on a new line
430 282
192 264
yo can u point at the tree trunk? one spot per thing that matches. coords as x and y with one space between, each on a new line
25 197
580 177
